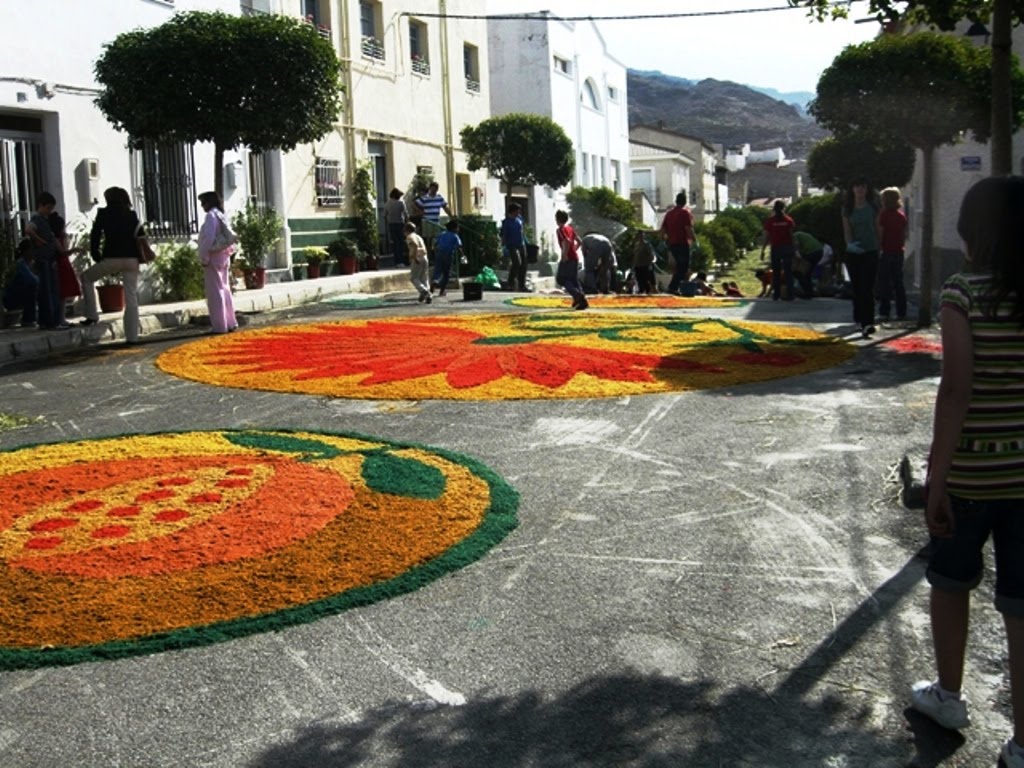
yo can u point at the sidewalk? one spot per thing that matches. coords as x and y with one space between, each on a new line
27 343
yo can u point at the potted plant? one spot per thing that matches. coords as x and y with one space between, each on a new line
314 255
345 251
366 224
110 291
258 230
10 317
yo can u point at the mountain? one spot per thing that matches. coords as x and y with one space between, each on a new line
798 99
720 112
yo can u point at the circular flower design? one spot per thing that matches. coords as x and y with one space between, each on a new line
128 545
629 301
508 356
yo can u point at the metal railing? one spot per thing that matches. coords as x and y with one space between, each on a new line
420 66
373 48
472 85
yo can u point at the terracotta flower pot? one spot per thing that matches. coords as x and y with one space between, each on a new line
347 264
313 271
111 297
256 277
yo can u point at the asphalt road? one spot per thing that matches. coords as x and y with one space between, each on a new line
716 578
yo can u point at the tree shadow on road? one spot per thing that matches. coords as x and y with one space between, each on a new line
631 719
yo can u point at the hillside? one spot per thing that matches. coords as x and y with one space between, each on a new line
720 112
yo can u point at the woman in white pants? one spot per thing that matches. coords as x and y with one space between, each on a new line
117 228
216 261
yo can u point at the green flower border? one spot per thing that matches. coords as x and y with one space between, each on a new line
499 520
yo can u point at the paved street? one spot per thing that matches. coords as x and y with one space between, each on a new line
712 578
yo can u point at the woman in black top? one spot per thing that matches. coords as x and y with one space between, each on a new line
114 249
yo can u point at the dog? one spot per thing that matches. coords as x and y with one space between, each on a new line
765 276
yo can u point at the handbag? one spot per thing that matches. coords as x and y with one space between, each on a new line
146 252
224 237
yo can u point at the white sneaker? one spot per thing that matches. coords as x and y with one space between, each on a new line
1009 759
949 713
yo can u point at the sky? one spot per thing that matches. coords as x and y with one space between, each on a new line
781 49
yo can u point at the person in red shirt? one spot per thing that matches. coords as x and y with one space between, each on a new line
568 275
892 234
778 233
677 229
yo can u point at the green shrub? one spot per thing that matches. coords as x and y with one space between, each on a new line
821 216
594 207
179 273
745 225
723 246
481 244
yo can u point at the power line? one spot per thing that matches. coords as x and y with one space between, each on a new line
548 16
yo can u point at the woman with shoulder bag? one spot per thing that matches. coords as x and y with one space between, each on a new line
216 244
116 227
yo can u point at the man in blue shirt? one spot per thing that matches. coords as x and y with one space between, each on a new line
431 204
446 246
514 240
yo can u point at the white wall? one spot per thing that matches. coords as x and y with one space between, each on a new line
58 85
526 78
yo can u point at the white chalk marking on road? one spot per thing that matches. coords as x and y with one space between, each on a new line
149 409
771 459
304 665
701 563
843 447
556 431
393 661
28 682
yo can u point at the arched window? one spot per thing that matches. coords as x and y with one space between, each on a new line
590 95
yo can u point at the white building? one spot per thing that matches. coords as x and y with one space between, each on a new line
708 189
563 70
661 172
411 84
412 80
53 138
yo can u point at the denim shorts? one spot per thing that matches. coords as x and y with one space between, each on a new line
957 564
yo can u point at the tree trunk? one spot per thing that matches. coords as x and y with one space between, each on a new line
1002 121
218 169
924 315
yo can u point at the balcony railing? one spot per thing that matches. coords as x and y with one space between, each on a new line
373 48
472 85
247 9
321 29
420 65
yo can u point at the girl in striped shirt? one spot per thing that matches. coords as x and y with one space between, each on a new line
975 483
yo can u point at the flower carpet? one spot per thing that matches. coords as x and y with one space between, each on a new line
139 543
505 356
657 301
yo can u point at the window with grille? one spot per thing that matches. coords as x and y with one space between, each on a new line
259 184
562 65
418 52
471 67
328 183
163 183
369 27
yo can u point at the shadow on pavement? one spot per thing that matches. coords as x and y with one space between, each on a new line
648 720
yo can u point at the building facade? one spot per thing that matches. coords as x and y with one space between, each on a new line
53 138
708 186
413 78
661 173
563 70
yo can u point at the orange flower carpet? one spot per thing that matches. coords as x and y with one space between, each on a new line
139 543
631 301
505 356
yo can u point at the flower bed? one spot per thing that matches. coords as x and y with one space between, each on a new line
138 543
507 356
